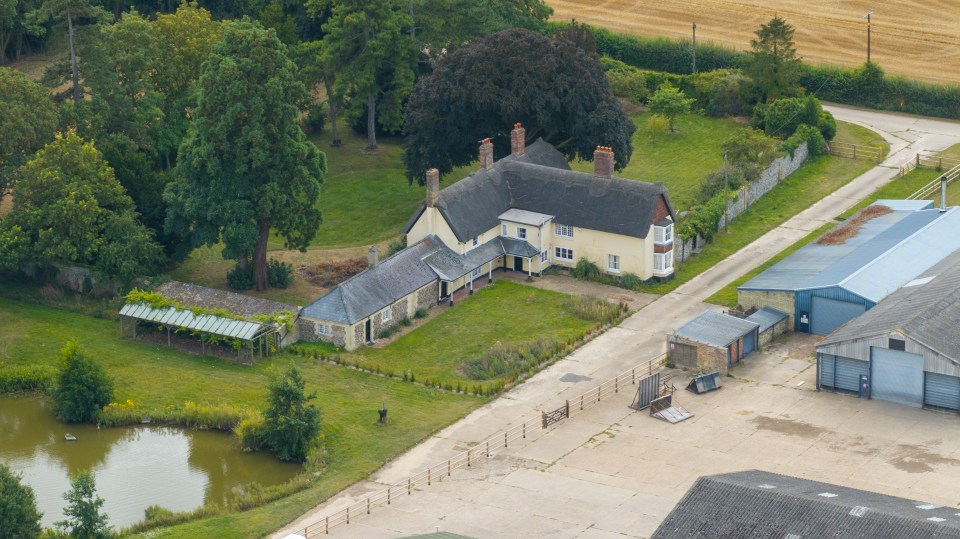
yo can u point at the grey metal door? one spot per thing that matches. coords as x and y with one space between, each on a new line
896 376
748 343
941 391
827 314
848 371
828 369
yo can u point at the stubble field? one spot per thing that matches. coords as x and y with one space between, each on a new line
918 39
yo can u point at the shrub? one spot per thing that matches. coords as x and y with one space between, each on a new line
664 54
84 518
291 424
249 432
420 313
83 387
27 378
816 145
396 246
279 274
405 321
240 278
315 119
630 280
585 269
388 331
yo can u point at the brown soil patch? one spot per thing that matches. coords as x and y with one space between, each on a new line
332 273
6 204
913 38
840 235
788 426
916 459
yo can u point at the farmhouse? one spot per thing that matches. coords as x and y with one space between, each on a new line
523 213
904 350
851 268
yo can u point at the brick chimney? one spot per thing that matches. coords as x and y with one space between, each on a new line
433 187
486 154
603 162
518 140
373 256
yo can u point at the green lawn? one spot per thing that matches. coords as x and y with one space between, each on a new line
157 377
680 160
855 134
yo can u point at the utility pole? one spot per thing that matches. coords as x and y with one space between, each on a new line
725 199
867 16
694 47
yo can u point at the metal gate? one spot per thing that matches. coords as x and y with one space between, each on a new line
827 314
896 376
841 373
941 391
647 390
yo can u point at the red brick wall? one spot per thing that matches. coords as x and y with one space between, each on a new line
661 211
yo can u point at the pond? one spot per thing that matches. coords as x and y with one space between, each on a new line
134 467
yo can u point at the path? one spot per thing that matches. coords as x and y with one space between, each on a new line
640 337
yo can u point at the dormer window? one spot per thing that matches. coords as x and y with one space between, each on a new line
663 234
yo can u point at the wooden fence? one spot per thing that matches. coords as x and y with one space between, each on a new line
856 151
626 381
933 161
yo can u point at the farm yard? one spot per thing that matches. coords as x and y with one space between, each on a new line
916 39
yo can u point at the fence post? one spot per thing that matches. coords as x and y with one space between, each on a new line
504 438
598 393
524 430
448 467
326 526
468 458
940 166
388 495
616 385
633 376
543 419
581 403
368 505
408 487
488 448
348 514
566 410
918 160
428 477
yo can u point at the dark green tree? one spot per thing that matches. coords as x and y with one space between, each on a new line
83 387
28 119
245 166
68 208
554 89
17 24
369 48
670 102
69 11
84 519
291 423
774 64
19 517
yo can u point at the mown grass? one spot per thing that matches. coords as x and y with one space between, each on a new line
855 134
156 377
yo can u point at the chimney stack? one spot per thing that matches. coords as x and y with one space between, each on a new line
486 154
433 187
518 140
943 194
603 162
373 256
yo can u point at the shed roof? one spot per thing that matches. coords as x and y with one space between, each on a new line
541 181
927 312
767 317
888 251
716 329
207 323
763 504
214 298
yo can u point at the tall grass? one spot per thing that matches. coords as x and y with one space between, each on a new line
595 310
27 378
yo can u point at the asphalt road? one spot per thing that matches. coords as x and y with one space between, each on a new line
642 336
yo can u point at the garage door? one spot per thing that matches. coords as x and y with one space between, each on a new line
841 373
896 376
941 391
748 344
827 315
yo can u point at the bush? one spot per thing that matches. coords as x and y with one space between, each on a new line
585 270
249 432
816 145
720 93
420 313
240 278
83 387
630 280
388 331
396 246
279 274
315 119
291 424
27 378
19 516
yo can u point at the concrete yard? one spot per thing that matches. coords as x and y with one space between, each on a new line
613 472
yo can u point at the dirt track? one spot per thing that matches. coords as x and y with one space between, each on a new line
913 38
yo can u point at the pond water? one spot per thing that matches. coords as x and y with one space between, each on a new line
134 467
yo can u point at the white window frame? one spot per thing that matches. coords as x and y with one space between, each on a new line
521 233
613 263
663 262
663 234
323 329
543 256
563 231
478 271
476 241
385 315
504 230
559 253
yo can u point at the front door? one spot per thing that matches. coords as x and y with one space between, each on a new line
517 263
443 289
368 331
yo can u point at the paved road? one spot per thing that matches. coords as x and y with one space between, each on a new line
642 336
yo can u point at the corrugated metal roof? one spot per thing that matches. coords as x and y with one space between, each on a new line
767 317
716 329
525 217
207 323
927 313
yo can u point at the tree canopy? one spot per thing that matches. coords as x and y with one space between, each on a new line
557 91
670 102
290 423
83 387
68 208
84 519
245 167
774 64
28 119
19 517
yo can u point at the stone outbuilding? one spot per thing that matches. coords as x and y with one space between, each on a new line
712 342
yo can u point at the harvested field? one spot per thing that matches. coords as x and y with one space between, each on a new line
912 38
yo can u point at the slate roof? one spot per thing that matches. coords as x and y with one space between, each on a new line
927 312
375 288
888 251
762 504
450 266
767 318
541 181
716 329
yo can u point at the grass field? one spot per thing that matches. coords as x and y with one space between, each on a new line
917 39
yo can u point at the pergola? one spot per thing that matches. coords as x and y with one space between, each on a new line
255 335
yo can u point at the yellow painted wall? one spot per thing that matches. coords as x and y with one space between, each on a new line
432 222
636 254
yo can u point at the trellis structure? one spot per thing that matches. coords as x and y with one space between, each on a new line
257 338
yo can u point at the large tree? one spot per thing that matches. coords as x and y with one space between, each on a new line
70 12
28 119
774 64
17 23
245 166
368 47
19 518
556 90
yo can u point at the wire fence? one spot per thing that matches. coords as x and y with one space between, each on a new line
476 455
